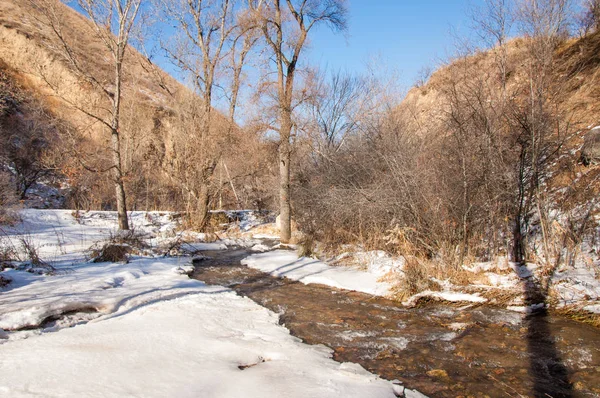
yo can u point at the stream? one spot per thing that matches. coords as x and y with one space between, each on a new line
440 350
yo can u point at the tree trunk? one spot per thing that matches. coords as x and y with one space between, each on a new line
119 186
518 252
285 217
116 147
203 206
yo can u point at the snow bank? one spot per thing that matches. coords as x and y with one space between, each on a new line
578 284
281 263
103 288
380 263
445 296
64 235
145 329
211 344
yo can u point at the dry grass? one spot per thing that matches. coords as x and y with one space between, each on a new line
306 246
119 246
4 281
112 253
579 315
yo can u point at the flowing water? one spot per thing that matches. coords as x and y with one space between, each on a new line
440 350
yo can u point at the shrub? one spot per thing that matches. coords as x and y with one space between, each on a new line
112 253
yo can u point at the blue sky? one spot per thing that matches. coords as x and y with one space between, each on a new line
407 35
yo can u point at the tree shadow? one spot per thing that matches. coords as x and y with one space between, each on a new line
549 374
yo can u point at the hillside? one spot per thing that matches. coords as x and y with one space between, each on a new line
576 71
573 94
157 117
29 47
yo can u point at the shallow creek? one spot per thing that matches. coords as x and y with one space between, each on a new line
440 350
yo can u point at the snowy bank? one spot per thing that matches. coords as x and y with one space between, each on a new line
96 289
211 344
282 263
145 329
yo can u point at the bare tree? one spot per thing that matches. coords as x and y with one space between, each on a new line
208 36
537 130
493 23
591 19
112 22
335 107
285 26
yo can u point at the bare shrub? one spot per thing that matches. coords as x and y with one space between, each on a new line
417 278
31 252
8 200
4 281
306 245
112 253
119 246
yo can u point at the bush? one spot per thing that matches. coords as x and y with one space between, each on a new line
119 246
112 253
8 200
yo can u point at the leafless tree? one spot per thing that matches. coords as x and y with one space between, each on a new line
210 33
538 132
112 22
285 26
335 107
493 22
591 17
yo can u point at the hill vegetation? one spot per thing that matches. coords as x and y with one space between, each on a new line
484 160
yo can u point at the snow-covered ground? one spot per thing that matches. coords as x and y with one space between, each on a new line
379 273
145 329
211 344
284 263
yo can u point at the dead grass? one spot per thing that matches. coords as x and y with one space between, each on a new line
119 246
112 253
306 246
4 281
579 315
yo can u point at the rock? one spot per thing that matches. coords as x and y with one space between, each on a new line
590 152
413 394
438 373
3 334
398 390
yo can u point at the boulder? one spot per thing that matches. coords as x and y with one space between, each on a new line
590 152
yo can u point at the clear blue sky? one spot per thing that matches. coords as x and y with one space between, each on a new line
406 34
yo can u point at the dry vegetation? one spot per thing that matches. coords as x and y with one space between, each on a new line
158 116
481 161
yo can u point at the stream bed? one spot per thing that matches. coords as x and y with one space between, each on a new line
440 350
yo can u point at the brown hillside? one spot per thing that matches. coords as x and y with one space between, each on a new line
29 47
575 88
30 55
576 69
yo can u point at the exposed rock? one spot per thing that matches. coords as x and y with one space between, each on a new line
590 152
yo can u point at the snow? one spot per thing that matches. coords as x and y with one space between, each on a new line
446 296
380 263
104 288
593 308
203 246
283 263
66 235
526 309
577 284
187 347
145 329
